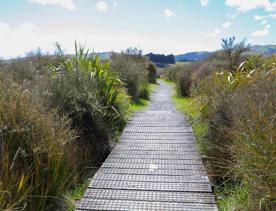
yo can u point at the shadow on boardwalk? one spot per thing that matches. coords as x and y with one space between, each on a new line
155 166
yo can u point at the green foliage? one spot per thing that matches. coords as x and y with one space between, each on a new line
236 125
232 197
76 95
132 71
240 112
56 124
233 53
94 98
254 132
36 168
152 73
182 76
191 108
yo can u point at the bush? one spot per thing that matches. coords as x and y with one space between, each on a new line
54 132
132 71
182 76
152 73
77 96
35 165
29 68
216 96
254 135
240 112
95 101
184 83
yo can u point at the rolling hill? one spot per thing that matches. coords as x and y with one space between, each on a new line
202 55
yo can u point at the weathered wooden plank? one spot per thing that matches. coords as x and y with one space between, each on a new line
126 205
158 136
153 147
151 178
172 172
157 141
151 186
156 156
152 166
158 162
134 195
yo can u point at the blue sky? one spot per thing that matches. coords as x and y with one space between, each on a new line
161 26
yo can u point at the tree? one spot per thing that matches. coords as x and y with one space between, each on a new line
233 52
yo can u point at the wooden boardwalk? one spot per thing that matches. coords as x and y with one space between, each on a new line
155 166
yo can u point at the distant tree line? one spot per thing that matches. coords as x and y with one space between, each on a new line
161 58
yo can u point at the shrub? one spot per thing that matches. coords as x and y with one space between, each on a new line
35 166
29 68
41 155
254 135
233 53
152 73
240 112
171 72
184 83
132 71
95 101
182 76
216 97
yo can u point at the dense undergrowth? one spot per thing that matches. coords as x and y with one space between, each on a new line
233 113
58 117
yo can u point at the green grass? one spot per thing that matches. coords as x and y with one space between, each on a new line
233 197
182 63
141 103
152 87
138 105
76 194
191 108
179 63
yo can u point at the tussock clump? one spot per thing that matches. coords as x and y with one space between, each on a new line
94 99
36 168
152 73
240 112
182 76
131 68
57 117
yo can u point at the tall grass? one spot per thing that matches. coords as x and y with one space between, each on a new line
240 111
181 74
132 71
35 164
56 125
94 99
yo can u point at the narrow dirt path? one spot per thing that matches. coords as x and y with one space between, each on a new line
155 166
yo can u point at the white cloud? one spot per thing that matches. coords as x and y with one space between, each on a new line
264 22
267 26
260 33
67 4
273 16
102 6
259 17
214 34
115 3
168 13
17 40
226 25
204 2
246 5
